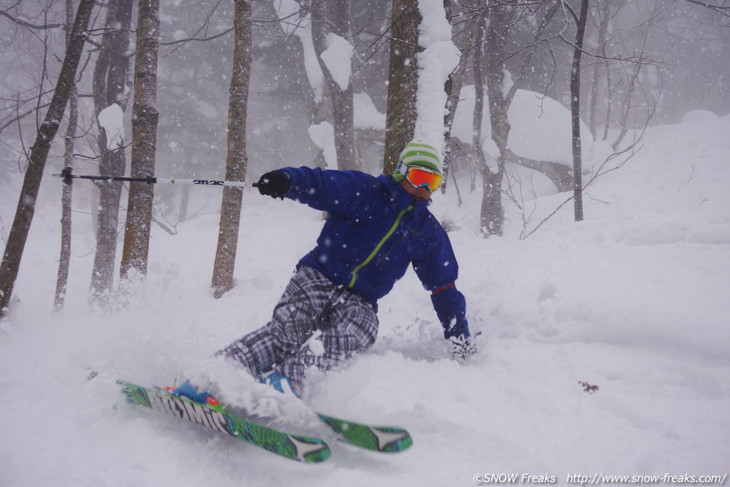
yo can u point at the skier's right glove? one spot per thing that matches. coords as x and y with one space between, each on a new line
275 184
462 347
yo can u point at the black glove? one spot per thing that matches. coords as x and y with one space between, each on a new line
275 184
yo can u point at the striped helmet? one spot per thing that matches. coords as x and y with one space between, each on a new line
417 153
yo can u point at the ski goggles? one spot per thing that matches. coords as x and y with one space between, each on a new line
421 177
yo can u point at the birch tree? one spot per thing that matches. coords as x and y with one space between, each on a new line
38 154
64 259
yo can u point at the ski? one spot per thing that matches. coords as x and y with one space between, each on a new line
386 439
305 449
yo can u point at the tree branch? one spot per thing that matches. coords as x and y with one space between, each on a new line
29 25
721 9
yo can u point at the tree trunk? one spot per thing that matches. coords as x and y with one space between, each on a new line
144 141
560 174
342 102
597 68
400 120
64 259
453 90
492 181
575 113
38 154
109 87
492 216
236 161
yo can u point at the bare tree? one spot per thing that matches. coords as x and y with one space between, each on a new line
580 20
492 47
38 154
455 82
73 115
501 17
400 120
19 27
600 67
109 88
631 79
626 80
500 21
492 177
144 141
237 161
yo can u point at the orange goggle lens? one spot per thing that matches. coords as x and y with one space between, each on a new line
420 177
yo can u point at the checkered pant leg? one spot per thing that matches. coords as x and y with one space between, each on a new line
311 303
355 330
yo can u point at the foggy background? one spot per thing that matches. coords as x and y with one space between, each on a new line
681 46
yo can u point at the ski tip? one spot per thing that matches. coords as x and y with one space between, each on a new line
392 440
309 449
386 439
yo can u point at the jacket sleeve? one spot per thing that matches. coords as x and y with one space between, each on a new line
332 191
450 307
438 272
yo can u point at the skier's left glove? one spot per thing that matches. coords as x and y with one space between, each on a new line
274 183
462 347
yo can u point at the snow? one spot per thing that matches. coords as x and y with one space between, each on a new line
699 116
437 60
111 119
366 115
323 136
541 127
337 58
290 21
633 300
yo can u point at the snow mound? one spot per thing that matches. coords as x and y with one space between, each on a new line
700 116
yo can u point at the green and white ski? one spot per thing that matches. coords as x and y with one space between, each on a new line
305 449
386 439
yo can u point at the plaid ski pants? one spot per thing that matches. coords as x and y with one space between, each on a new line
311 303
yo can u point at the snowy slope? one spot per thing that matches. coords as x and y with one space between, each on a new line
634 300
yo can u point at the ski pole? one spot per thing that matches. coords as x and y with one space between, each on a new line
68 178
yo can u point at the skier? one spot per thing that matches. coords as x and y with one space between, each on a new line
376 227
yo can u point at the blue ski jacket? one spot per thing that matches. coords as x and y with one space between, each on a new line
374 230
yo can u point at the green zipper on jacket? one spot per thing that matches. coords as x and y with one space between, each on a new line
377 247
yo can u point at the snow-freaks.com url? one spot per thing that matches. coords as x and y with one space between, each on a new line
602 479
